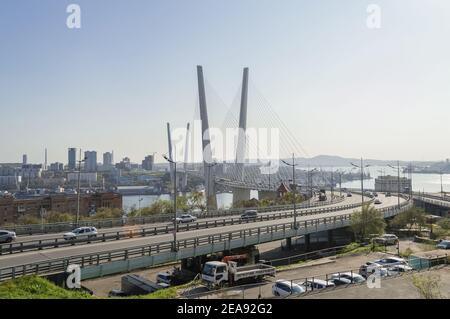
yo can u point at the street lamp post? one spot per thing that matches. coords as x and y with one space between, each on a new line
398 182
175 224
310 183
442 189
78 188
209 177
294 188
362 178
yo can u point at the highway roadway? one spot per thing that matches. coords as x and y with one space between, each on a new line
347 201
53 253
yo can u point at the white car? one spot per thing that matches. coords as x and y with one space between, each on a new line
7 236
398 269
370 268
346 278
81 232
186 218
285 288
317 284
391 261
377 202
386 239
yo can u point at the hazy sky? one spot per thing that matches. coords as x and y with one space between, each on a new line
340 87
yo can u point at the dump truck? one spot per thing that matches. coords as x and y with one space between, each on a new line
217 274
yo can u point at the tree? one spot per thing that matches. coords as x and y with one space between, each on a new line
28 219
58 217
196 200
444 223
411 217
367 221
428 286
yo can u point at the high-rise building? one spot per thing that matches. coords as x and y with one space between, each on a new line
72 155
56 167
108 160
90 163
147 163
24 159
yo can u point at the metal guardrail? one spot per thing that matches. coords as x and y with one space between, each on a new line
99 258
131 221
434 200
18 247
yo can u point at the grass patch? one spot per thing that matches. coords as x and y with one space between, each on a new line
168 293
34 287
355 248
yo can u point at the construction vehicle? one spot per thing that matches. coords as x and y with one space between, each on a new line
322 195
216 274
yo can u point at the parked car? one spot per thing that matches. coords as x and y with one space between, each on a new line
346 278
375 194
398 269
285 288
349 194
7 236
186 218
386 239
249 214
164 277
391 261
371 267
377 201
317 284
445 244
81 232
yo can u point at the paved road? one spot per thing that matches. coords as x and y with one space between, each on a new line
347 201
43 255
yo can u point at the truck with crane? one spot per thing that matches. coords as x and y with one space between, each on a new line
217 274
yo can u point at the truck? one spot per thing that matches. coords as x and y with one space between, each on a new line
217 274
322 195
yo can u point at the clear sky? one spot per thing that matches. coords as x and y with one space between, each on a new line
340 87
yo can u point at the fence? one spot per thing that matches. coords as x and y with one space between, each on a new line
163 252
157 230
141 220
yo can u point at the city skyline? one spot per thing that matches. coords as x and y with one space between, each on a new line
385 82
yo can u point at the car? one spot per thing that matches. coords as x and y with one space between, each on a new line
445 244
386 239
284 288
398 269
186 218
81 232
371 267
388 194
377 201
249 214
346 278
317 284
375 194
391 261
164 277
7 236
349 195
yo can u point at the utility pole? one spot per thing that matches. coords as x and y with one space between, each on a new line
293 188
175 224
78 189
362 178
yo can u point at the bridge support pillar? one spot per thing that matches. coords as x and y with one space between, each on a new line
289 243
307 242
240 194
267 195
330 237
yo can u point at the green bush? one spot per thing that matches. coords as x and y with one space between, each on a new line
34 287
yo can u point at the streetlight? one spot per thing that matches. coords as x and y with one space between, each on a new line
362 177
310 182
442 189
78 188
340 182
175 224
398 181
209 177
294 188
